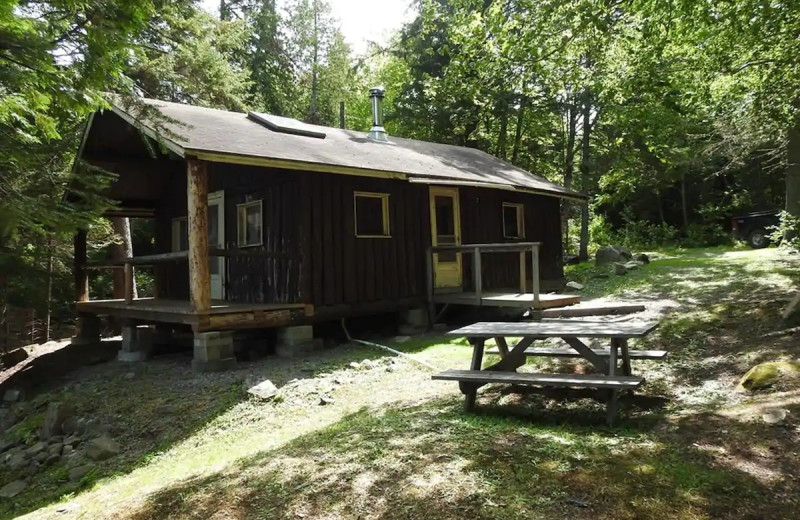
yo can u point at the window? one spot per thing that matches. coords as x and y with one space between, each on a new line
250 223
372 214
513 220
180 234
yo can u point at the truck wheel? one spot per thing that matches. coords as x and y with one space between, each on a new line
758 238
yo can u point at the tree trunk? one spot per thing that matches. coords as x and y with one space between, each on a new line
502 139
792 178
569 170
122 227
313 116
518 132
49 289
583 252
684 207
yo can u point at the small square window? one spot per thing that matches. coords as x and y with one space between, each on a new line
513 220
250 223
371 214
180 234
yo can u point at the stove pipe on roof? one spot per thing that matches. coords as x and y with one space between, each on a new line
377 132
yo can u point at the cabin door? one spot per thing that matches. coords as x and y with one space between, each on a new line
446 231
216 240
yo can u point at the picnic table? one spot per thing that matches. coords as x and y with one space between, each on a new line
612 365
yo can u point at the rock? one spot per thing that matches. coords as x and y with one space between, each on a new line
54 419
17 460
577 502
102 448
610 254
575 285
52 459
70 426
265 389
6 445
774 415
67 450
632 265
41 456
12 395
12 489
55 449
391 368
324 400
768 374
355 365
79 472
620 269
368 363
36 449
165 409
643 258
130 375
13 357
72 441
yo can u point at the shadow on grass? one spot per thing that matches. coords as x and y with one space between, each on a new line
434 462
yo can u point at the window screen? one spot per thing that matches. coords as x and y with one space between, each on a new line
250 223
372 214
180 234
513 220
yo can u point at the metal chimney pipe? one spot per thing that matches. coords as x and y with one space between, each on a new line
377 132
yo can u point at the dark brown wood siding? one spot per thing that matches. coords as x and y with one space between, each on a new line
482 223
310 252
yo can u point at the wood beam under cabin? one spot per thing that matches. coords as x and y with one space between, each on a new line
79 266
199 275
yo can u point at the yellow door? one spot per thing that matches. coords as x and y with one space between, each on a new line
446 231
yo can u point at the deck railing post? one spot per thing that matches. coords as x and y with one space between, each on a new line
477 275
535 274
429 285
523 285
128 283
81 275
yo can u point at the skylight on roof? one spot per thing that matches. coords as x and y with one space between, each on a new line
286 125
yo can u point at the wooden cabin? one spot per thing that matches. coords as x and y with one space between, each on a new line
263 221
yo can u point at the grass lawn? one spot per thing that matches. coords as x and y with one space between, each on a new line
390 443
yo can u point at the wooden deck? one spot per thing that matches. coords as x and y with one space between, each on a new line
222 315
507 299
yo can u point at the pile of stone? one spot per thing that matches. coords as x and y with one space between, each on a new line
64 439
620 258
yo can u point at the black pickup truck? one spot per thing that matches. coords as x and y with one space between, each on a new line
755 228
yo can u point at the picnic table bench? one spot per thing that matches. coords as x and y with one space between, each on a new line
611 374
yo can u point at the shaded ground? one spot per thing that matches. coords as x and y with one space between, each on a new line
394 444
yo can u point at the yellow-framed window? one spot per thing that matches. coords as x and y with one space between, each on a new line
250 223
513 220
371 211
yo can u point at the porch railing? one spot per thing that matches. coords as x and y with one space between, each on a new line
477 250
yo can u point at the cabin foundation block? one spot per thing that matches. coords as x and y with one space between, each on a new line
88 330
137 343
295 340
213 352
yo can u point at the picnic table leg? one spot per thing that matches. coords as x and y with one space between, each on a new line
471 393
611 406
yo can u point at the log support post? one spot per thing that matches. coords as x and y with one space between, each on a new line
79 267
199 275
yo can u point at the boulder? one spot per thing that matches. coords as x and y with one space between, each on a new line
102 448
71 426
41 456
67 450
72 440
55 449
620 269
265 389
774 415
575 285
17 460
633 264
643 258
54 419
13 489
36 449
52 459
771 373
79 472
610 254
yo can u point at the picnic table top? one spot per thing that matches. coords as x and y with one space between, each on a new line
558 329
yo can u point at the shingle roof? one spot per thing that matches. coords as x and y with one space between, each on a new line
232 133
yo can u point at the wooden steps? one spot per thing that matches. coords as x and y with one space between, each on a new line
570 353
538 379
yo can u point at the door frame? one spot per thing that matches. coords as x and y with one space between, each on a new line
218 281
446 275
